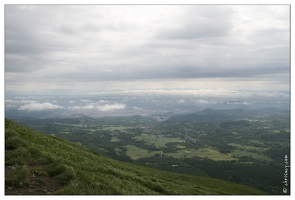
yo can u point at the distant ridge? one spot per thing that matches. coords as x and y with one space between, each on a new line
226 114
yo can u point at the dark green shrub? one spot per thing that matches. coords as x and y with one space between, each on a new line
55 169
16 176
11 142
35 152
66 176
10 133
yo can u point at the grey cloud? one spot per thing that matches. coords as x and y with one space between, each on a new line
199 22
73 44
195 30
176 71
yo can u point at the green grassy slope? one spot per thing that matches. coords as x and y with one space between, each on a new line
36 163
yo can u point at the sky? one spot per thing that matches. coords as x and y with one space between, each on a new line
78 48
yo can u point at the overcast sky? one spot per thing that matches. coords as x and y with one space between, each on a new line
106 47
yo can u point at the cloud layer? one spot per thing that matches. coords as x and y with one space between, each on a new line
39 106
106 107
81 47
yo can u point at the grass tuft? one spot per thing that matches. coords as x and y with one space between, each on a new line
16 175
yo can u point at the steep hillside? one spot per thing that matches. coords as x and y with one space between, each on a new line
36 163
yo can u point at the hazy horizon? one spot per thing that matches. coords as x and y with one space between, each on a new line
141 102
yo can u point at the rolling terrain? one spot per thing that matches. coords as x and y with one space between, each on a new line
247 147
36 163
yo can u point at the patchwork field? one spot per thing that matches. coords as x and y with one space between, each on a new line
135 152
203 153
115 128
257 145
248 148
157 140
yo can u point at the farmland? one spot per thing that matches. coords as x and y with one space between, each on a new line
225 144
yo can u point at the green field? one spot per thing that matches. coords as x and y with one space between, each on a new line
115 139
115 128
158 140
118 151
252 151
247 148
203 153
135 152
256 142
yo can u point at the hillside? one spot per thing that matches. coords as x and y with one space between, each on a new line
36 163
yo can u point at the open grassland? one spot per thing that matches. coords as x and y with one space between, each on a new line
115 128
42 164
203 153
252 151
74 125
115 139
135 152
170 139
118 151
256 142
248 148
150 140
158 140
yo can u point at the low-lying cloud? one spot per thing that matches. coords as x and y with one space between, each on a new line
203 101
237 102
109 107
39 106
106 107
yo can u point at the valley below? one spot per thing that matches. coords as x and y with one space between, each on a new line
243 146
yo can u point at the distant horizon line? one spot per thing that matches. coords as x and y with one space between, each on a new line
158 90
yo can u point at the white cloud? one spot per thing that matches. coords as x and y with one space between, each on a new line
238 102
88 106
103 101
106 107
9 103
39 106
110 107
